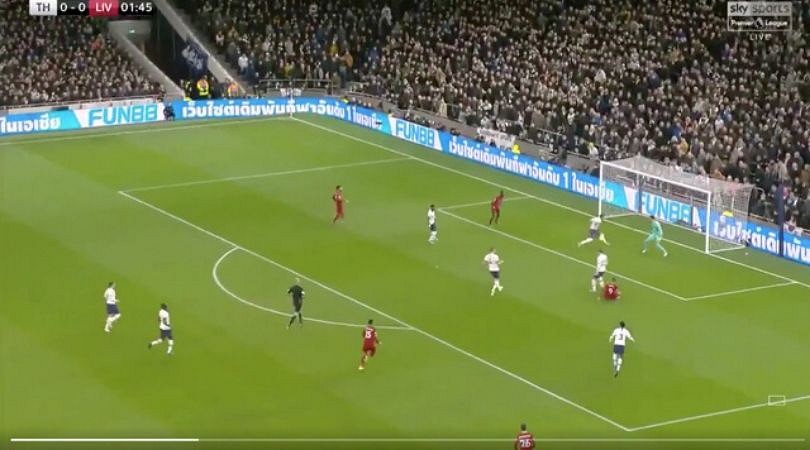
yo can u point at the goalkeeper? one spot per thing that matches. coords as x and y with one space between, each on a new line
656 235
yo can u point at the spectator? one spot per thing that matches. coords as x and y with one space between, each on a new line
45 60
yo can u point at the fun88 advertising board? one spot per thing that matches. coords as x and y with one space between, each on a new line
764 237
66 120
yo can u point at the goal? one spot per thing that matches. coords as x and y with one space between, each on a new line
717 209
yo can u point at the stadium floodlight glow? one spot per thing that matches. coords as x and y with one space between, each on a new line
698 203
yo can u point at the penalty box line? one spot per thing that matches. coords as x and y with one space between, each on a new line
446 210
557 253
379 312
538 198
741 291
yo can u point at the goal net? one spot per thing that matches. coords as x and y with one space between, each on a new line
716 209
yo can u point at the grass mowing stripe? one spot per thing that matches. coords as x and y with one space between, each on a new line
381 313
740 291
157 127
267 174
221 286
560 254
715 414
541 199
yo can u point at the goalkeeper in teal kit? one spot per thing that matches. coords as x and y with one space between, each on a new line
656 235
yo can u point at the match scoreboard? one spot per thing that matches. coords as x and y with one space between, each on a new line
92 8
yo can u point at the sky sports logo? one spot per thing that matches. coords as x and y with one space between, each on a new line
759 17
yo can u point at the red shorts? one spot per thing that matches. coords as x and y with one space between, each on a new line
496 210
369 349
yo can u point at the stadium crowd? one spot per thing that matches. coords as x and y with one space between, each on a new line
612 78
55 60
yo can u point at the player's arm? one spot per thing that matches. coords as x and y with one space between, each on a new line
610 339
630 336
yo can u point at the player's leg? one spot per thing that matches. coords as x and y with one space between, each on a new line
602 238
584 241
593 282
497 215
660 247
491 215
615 359
171 346
647 241
292 320
363 359
155 342
108 324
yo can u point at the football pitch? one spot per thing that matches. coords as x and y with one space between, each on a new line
217 219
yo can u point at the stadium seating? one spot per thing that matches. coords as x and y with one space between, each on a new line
62 59
661 78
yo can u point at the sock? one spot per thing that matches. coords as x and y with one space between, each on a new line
171 345
602 238
494 286
585 242
618 364
433 236
108 325
614 361
601 283
593 285
115 317
300 318
660 247
156 342
292 319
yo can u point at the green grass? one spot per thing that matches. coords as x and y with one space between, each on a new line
471 366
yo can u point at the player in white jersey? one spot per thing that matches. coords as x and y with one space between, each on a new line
431 218
619 338
601 268
594 232
493 263
165 326
111 300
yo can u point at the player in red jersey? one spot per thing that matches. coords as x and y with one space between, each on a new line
611 291
370 343
495 206
524 439
337 197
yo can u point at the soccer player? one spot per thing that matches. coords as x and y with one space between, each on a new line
524 440
431 217
495 207
619 338
113 313
370 343
611 291
656 235
493 263
601 268
337 197
297 294
165 327
594 232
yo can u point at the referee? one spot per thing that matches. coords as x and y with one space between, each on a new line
297 293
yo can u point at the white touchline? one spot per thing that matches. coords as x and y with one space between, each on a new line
267 174
88 440
404 440
715 414
541 199
740 291
156 127
215 276
377 311
471 440
560 254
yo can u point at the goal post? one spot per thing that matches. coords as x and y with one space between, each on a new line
698 203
